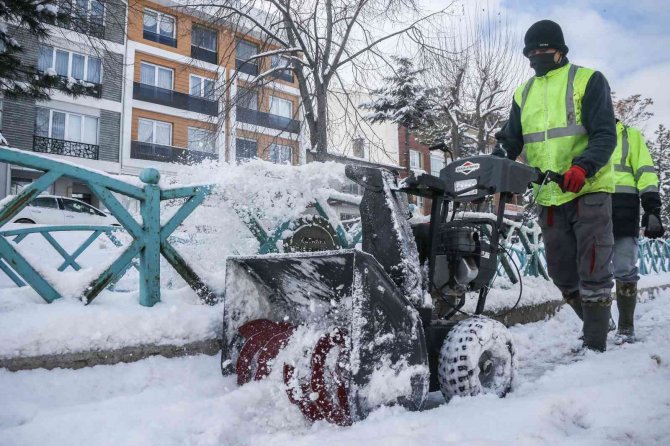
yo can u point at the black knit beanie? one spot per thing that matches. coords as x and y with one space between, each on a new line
544 34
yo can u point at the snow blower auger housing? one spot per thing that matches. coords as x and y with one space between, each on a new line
348 331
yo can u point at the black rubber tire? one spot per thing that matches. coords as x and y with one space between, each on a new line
25 220
477 356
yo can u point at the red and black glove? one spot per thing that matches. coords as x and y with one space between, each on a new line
573 179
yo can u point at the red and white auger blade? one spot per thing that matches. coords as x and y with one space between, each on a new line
318 400
259 334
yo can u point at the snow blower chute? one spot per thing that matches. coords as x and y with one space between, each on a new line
351 330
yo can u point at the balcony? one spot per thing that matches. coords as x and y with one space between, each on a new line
268 120
54 146
168 154
84 88
171 98
204 54
159 38
248 67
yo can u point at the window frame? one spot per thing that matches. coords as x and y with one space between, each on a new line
202 86
274 146
353 147
211 136
153 131
434 158
66 128
89 9
247 42
159 16
70 58
420 156
239 138
290 116
252 91
156 68
216 37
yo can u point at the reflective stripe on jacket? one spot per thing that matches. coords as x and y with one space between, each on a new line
634 171
553 133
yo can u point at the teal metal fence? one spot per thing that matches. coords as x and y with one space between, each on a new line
149 237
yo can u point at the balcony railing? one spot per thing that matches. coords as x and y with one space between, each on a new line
248 67
171 98
262 119
204 54
168 154
85 88
165 40
55 146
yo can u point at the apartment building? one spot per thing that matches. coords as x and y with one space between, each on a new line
167 87
190 87
86 129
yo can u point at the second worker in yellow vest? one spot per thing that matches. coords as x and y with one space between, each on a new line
562 118
636 182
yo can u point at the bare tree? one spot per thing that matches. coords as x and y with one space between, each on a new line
632 110
325 42
474 68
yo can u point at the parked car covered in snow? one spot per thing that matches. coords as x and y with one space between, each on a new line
57 210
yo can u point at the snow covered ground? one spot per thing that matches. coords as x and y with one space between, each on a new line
621 397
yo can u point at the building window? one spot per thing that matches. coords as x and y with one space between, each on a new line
201 140
159 27
247 98
17 185
69 64
201 87
353 189
154 132
245 149
91 10
156 76
67 126
281 107
280 61
280 154
204 38
420 203
436 164
358 145
245 51
415 159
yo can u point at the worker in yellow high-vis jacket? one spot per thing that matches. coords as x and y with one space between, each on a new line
635 182
564 121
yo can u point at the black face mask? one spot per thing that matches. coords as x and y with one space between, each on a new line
542 63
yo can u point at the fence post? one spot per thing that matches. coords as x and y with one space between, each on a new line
150 255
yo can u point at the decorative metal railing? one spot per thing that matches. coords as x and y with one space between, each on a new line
168 154
149 238
268 120
55 146
171 98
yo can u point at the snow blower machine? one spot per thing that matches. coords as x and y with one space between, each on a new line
347 331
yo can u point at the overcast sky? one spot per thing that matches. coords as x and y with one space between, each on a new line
627 40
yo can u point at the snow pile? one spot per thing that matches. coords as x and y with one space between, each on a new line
621 397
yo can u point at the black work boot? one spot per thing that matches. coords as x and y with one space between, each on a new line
575 301
596 325
626 298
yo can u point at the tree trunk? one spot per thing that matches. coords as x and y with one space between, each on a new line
320 138
407 158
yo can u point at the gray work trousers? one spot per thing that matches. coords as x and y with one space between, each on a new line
579 245
625 259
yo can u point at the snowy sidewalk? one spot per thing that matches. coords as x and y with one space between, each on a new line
621 397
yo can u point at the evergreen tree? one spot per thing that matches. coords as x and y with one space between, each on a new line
402 100
660 154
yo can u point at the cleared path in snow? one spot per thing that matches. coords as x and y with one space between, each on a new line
619 398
